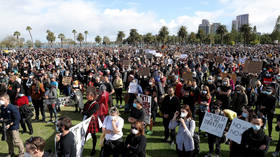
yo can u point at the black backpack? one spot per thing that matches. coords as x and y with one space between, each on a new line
196 140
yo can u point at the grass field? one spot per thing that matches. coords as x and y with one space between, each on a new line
155 148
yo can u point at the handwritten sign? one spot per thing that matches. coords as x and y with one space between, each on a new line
236 129
187 76
147 105
66 80
253 66
144 71
214 124
126 62
132 87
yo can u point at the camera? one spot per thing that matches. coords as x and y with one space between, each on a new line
3 129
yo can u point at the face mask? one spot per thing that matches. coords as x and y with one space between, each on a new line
224 83
150 83
268 92
20 95
204 92
245 115
219 78
183 115
210 81
238 91
134 105
256 127
134 131
2 102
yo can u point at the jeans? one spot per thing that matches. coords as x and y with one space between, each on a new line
38 105
52 110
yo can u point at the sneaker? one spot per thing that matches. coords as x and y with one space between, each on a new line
275 154
149 132
50 121
208 155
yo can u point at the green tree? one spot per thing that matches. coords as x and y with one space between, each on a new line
74 33
80 38
265 39
9 42
201 35
163 34
38 43
98 39
17 34
246 31
210 39
148 38
120 37
275 35
86 33
50 37
61 37
221 30
28 28
106 40
29 43
134 37
182 35
192 38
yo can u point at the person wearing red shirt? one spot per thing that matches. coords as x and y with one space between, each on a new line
103 102
25 113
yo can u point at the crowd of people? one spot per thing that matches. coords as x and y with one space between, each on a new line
220 83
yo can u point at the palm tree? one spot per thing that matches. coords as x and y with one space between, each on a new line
182 34
106 40
246 30
74 32
61 37
86 33
50 37
28 28
120 37
221 30
80 38
98 39
17 34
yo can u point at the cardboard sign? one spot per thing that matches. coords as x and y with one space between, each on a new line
187 76
132 87
144 72
79 132
232 76
147 105
214 124
126 62
219 59
177 54
66 80
253 66
236 129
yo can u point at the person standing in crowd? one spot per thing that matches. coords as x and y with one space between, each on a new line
103 99
109 89
184 138
77 96
10 113
13 88
267 106
204 101
118 85
239 99
170 105
112 127
190 96
51 97
254 142
137 112
37 93
135 143
223 93
65 143
26 113
35 146
277 128
90 109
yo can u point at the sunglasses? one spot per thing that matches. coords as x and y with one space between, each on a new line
30 141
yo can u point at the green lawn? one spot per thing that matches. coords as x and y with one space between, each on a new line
155 148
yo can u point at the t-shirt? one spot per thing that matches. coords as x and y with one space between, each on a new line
107 124
66 146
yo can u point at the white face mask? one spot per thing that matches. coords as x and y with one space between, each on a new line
27 154
20 95
183 114
134 131
2 102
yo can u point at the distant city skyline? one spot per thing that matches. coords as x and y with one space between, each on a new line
106 18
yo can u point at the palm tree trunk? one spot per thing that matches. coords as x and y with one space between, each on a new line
31 37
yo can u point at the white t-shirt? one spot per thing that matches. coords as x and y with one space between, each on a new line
107 124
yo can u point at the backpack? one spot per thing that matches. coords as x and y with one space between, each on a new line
196 140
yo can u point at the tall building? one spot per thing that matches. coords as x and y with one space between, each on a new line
214 27
234 25
205 26
242 20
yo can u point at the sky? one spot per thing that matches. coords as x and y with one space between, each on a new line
107 17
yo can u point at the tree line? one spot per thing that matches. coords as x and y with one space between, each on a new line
246 35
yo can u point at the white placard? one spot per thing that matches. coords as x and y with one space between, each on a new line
214 124
132 87
79 132
236 129
147 106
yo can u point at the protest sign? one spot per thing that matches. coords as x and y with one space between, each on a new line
66 80
219 59
132 87
177 54
126 62
187 76
230 75
236 129
214 124
63 101
79 132
253 66
183 56
147 104
144 72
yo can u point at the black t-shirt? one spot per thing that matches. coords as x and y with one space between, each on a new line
137 114
66 146
12 90
109 87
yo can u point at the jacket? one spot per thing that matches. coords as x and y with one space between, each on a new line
11 113
170 106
